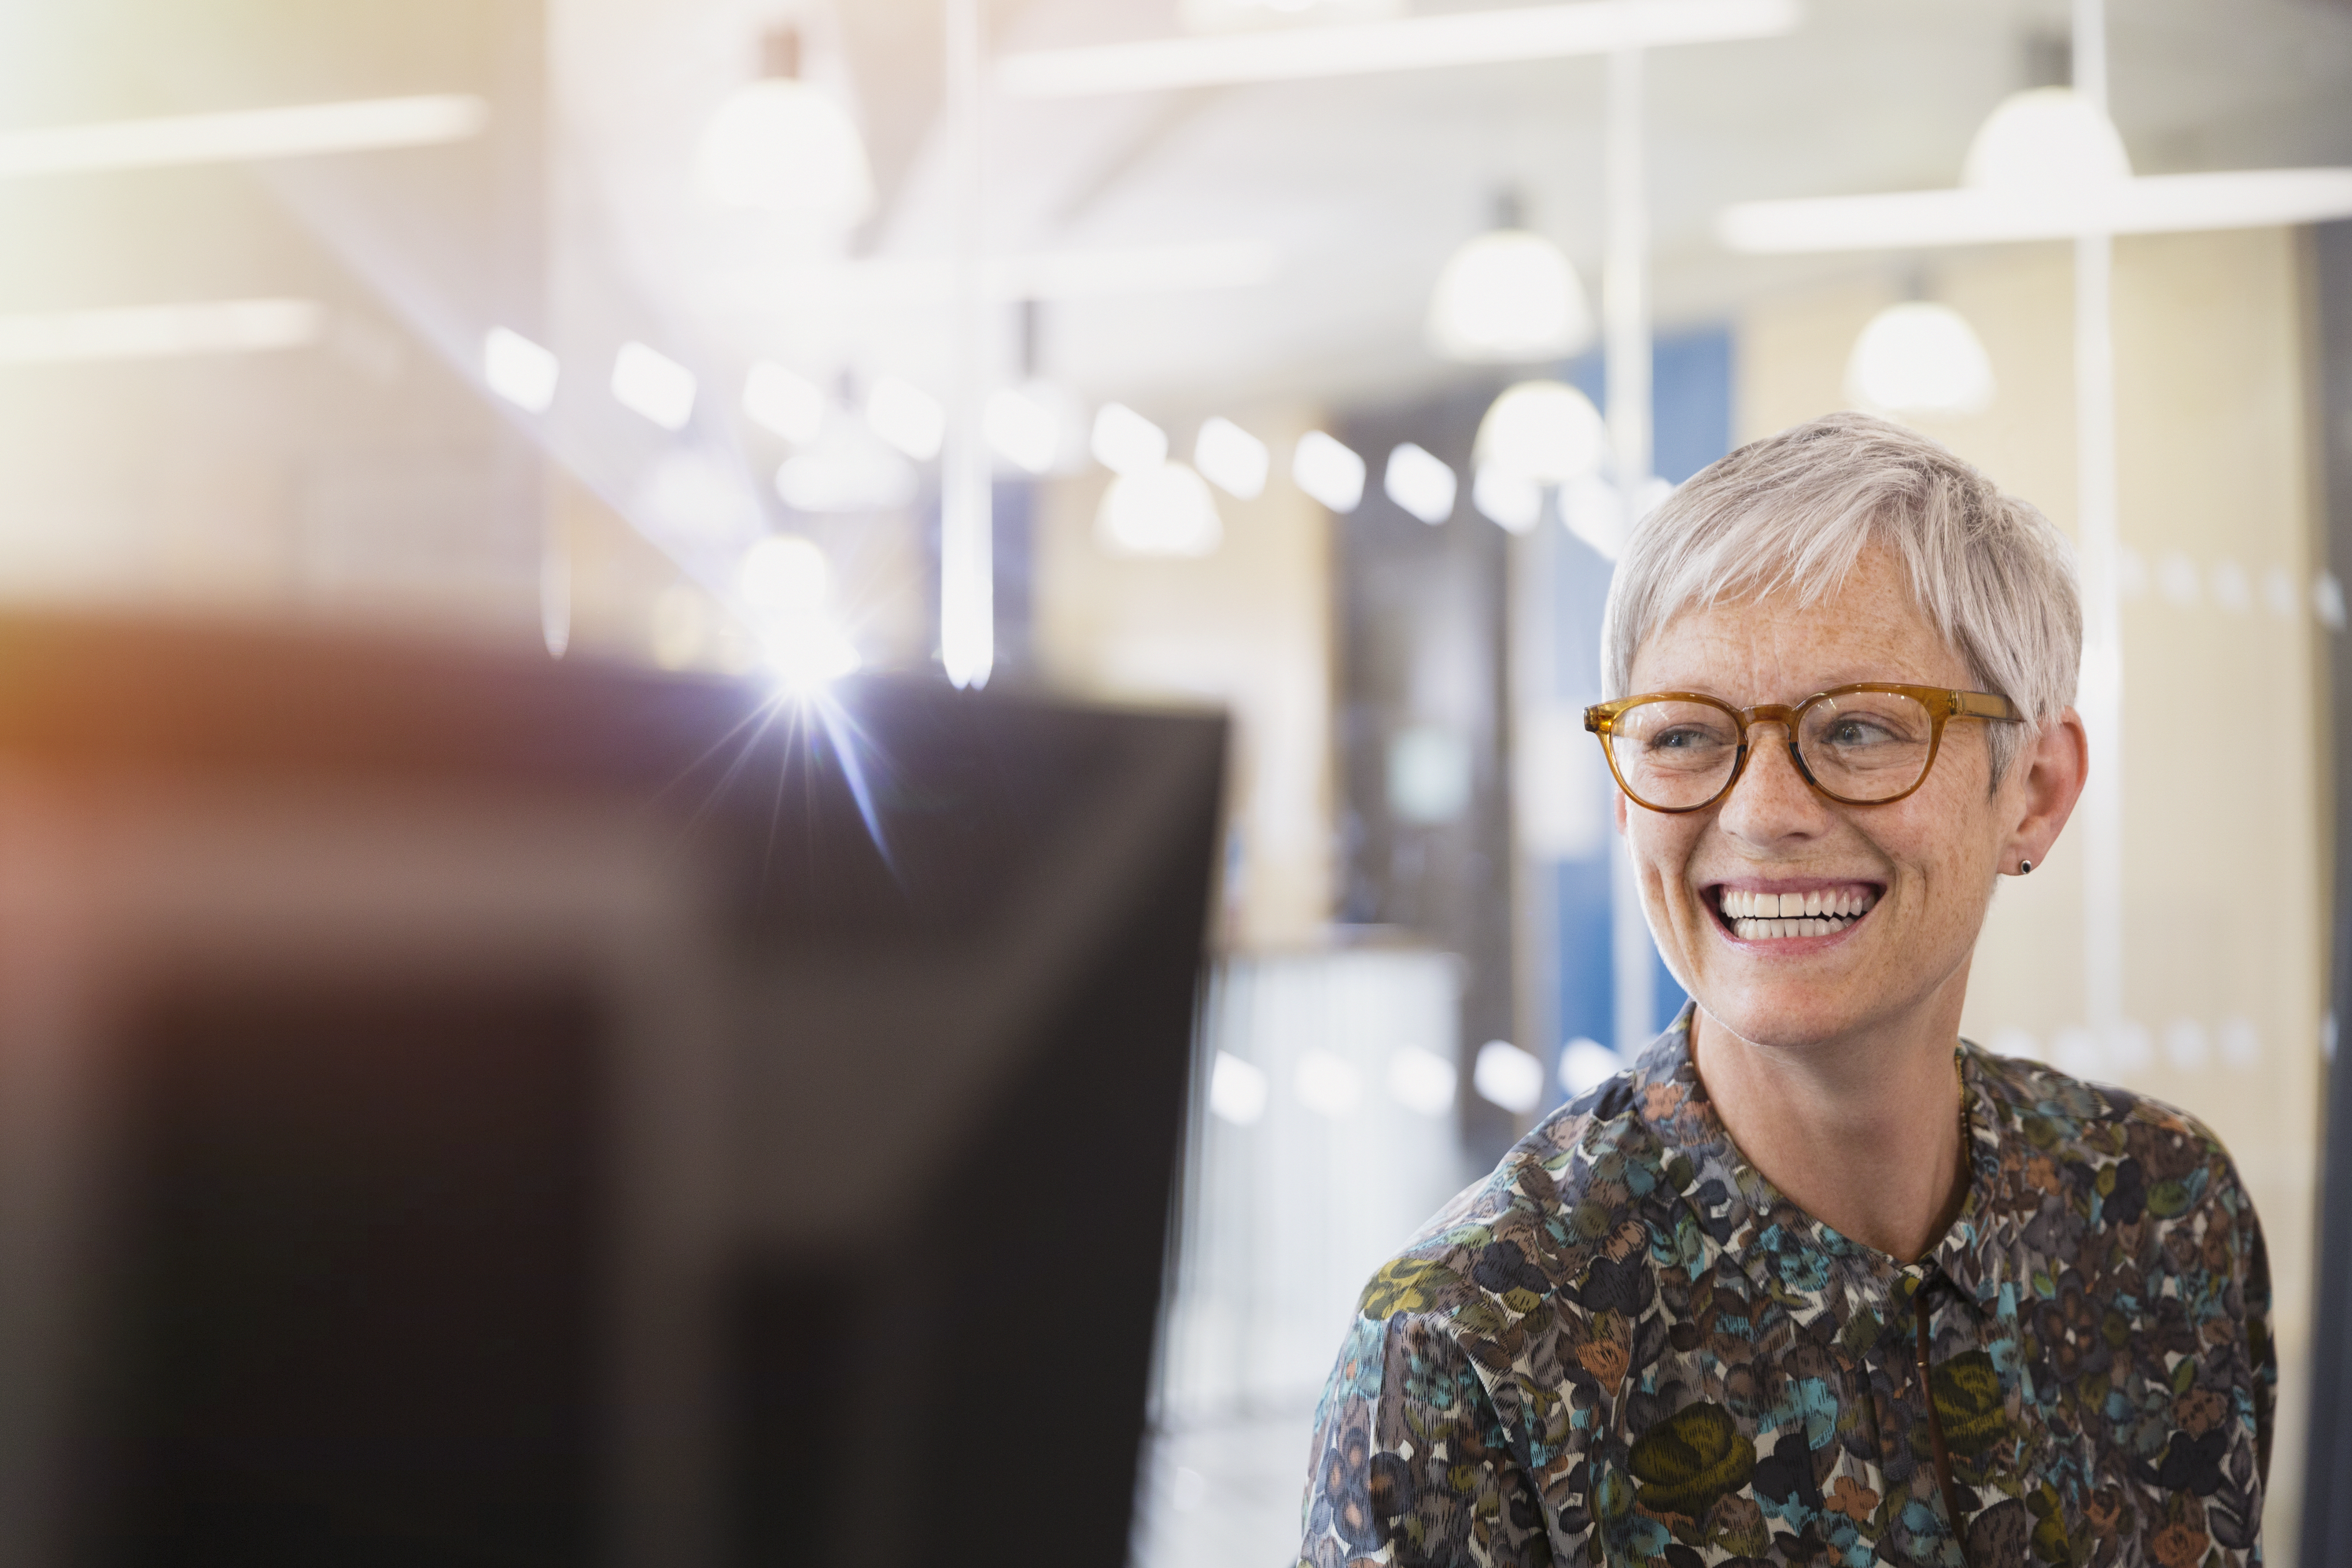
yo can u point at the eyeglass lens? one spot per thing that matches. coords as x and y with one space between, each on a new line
1858 746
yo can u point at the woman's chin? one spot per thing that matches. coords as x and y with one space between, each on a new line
1779 1018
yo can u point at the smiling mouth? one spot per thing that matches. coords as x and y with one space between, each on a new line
1753 916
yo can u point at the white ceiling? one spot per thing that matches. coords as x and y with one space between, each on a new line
1354 190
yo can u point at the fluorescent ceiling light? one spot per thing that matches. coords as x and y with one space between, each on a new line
1126 443
1024 430
1586 1064
1232 458
786 405
1328 471
1508 1076
161 331
1327 1084
1237 1090
2151 203
654 385
519 369
1422 1081
908 417
1413 43
1512 500
241 135
1419 482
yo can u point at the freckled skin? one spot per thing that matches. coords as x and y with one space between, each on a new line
1846 1035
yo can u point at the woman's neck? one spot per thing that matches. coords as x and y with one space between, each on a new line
1865 1138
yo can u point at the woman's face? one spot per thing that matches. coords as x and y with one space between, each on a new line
1921 869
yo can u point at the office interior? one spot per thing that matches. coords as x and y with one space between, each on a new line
1300 360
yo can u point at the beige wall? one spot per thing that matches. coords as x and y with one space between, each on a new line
1248 628
2224 820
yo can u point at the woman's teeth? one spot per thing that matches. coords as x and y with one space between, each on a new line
1770 917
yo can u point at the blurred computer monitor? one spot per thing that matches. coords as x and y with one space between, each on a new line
464 1110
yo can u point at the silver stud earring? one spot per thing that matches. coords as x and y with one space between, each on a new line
2025 868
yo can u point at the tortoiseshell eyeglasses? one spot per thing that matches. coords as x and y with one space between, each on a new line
1865 745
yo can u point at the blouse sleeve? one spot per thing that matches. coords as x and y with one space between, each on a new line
1411 1457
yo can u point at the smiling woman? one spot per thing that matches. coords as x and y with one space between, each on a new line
1814 1278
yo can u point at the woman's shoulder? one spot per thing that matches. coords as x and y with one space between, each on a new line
1531 1231
2062 1115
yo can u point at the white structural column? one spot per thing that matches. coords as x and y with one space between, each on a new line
2101 697
1625 327
967 568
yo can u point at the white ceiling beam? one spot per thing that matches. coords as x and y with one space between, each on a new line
2156 204
245 135
1413 43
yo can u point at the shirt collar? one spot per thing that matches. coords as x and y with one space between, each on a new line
1757 1224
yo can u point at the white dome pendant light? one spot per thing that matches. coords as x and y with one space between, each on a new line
785 146
1535 435
2045 138
1508 296
1917 359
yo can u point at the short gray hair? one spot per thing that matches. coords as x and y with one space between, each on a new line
1794 512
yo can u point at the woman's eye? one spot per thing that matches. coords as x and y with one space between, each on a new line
1854 732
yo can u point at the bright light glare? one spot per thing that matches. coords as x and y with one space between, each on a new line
1508 1076
784 574
2045 138
1327 472
850 472
1162 511
803 654
242 135
1421 483
790 148
1125 442
908 417
1510 499
1547 431
1232 458
783 403
160 331
1586 1064
1411 43
1508 296
652 384
519 369
1328 1085
1023 429
1237 1090
1919 358
1422 1081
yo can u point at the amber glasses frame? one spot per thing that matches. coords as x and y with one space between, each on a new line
1943 704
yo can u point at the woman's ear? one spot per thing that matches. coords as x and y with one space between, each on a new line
2046 779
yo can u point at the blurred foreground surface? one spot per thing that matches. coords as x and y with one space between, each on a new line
464 1109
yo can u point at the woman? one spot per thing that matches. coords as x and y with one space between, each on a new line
1815 1281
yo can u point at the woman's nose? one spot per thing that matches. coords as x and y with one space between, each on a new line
1771 800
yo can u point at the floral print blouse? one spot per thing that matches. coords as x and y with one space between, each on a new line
1627 1347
